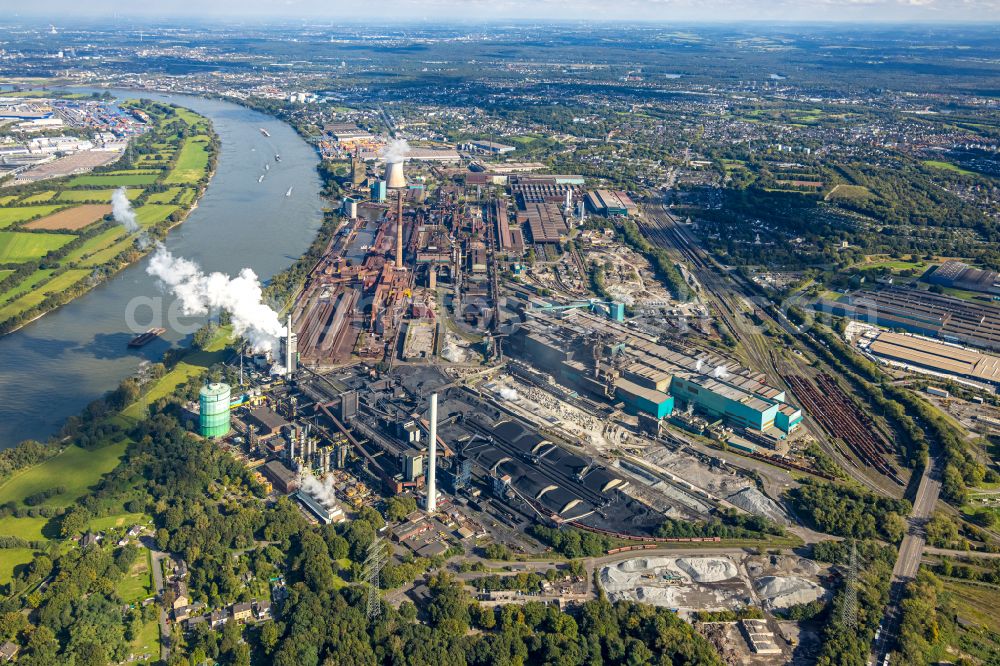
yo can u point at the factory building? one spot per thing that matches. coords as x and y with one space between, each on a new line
608 360
283 479
924 354
489 147
963 276
378 191
318 511
610 204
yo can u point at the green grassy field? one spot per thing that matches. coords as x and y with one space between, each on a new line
137 584
75 468
844 192
98 242
96 196
17 247
4 200
9 216
191 163
40 197
118 520
26 528
5 272
30 300
151 214
947 166
147 643
109 253
167 196
35 278
114 180
10 559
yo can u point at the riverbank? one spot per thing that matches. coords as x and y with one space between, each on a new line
79 352
164 177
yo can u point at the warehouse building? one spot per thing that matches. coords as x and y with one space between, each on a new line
937 357
609 204
923 313
963 276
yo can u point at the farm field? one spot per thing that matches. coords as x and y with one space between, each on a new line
71 219
38 198
151 214
24 287
9 216
17 247
37 225
108 253
114 180
192 161
33 298
102 196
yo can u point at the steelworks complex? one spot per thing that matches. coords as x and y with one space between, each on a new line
610 360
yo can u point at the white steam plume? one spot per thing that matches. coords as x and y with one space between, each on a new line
395 151
201 293
322 490
508 393
121 208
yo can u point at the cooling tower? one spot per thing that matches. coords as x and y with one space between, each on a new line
394 176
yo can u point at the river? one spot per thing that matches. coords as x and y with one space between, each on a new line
53 367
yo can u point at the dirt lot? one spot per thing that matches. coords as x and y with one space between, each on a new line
72 219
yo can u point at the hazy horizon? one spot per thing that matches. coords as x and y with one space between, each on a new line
415 11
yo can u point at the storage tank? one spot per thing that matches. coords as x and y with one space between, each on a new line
214 400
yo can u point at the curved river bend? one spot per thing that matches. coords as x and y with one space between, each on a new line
53 367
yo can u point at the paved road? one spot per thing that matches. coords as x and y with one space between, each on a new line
910 554
156 562
397 596
960 553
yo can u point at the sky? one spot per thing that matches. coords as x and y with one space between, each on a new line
977 11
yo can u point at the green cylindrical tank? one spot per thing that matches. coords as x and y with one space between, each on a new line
214 399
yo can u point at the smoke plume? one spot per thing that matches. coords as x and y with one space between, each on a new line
508 393
121 208
322 490
200 293
395 151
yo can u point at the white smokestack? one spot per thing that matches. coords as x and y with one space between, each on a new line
432 458
288 346
242 297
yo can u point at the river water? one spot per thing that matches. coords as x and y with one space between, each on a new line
53 367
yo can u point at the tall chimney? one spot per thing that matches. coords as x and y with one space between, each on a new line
432 458
288 346
399 229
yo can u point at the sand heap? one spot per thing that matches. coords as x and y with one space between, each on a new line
708 569
787 591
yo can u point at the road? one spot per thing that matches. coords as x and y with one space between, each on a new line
911 551
499 567
156 558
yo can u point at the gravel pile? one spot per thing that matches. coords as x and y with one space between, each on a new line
787 591
753 501
708 569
